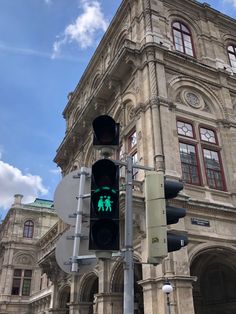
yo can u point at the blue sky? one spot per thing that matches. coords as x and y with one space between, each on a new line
45 46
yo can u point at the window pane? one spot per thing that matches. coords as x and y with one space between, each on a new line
184 28
16 286
207 135
133 140
187 39
211 159
213 169
26 287
230 48
185 129
189 52
189 163
176 25
28 273
17 272
177 35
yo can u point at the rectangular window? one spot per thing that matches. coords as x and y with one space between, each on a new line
190 142
21 282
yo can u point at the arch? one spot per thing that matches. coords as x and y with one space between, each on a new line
95 82
206 247
178 83
186 19
177 15
214 291
117 282
64 298
88 287
119 42
24 259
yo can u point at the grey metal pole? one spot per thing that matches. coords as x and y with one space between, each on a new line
78 223
128 253
168 303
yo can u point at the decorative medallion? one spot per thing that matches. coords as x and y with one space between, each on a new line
192 100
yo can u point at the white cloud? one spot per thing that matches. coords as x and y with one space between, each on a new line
13 181
83 31
233 2
55 171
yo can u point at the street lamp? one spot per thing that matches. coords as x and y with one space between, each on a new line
167 289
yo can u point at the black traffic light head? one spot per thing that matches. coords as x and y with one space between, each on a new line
106 131
104 206
175 241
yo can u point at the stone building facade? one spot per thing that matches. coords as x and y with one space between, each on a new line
165 70
22 281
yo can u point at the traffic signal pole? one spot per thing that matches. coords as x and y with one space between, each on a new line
78 222
128 252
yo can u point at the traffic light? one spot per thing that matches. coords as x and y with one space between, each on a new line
104 205
175 241
159 214
106 132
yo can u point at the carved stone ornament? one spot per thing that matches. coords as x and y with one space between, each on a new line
24 260
192 99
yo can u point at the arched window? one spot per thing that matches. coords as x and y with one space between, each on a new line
232 56
182 38
28 229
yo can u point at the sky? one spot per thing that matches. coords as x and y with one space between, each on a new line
45 45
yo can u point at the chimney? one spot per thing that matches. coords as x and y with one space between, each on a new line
17 199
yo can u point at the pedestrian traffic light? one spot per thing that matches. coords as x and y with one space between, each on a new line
159 214
104 205
175 241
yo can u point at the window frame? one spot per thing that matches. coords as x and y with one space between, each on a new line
23 290
182 32
194 144
190 141
213 147
231 53
201 144
28 229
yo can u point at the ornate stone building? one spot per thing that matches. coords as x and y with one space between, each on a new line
165 70
22 282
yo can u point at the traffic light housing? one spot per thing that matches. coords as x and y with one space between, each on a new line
104 205
159 214
106 131
175 241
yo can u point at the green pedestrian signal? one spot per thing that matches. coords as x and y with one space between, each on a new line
104 206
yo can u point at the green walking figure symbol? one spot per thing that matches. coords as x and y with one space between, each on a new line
108 203
101 204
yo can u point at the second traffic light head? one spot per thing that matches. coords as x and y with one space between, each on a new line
106 131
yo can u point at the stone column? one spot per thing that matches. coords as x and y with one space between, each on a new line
155 109
108 303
